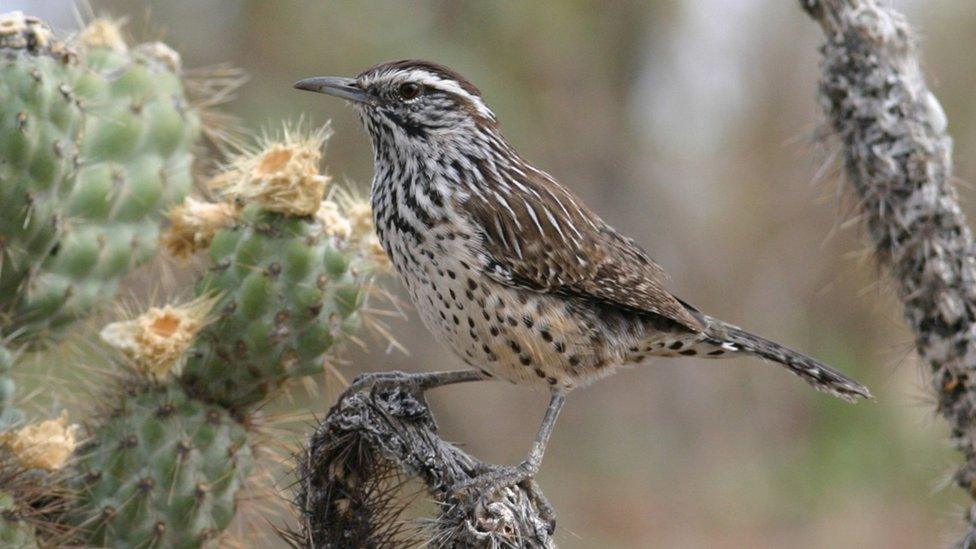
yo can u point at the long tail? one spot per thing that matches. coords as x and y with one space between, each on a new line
816 373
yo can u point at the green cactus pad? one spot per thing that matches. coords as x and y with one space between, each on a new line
41 124
10 416
15 532
289 293
163 470
94 147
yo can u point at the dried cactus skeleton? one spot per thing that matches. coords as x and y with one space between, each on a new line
897 157
352 485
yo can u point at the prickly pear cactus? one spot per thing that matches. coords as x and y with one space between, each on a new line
41 124
289 295
291 276
162 470
94 145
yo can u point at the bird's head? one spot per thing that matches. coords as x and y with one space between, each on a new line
410 103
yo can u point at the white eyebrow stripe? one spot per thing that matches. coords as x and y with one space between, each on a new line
450 86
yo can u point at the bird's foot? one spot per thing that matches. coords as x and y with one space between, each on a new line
420 381
498 478
368 380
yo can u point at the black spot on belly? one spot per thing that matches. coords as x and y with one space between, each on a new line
540 373
546 336
560 347
574 360
676 345
494 331
716 352
525 360
515 346
688 352
472 285
527 320
470 323
512 322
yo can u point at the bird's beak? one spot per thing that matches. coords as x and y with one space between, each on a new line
338 86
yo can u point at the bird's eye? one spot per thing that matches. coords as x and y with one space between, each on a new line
409 91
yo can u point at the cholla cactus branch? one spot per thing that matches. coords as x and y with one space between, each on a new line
348 493
897 156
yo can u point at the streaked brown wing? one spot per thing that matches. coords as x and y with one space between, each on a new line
538 236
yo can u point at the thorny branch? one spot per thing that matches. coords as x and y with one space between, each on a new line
352 480
898 161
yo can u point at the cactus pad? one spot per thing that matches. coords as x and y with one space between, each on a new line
289 292
10 416
15 532
94 146
162 470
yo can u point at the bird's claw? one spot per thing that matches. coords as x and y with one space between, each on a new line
368 380
496 478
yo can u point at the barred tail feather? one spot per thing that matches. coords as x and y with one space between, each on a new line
816 373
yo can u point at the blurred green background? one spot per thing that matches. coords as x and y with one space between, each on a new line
691 126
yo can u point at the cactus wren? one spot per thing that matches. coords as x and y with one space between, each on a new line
506 266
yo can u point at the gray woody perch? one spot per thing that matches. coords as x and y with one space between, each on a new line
897 157
353 472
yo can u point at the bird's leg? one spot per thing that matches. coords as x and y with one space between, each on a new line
421 381
524 473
